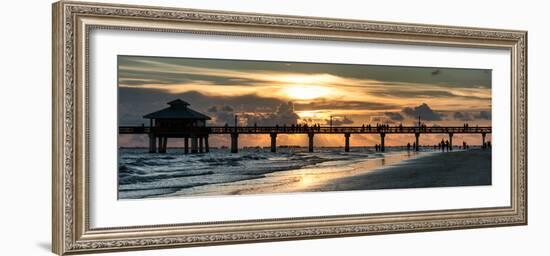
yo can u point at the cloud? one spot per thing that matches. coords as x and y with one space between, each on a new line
342 104
463 116
340 121
223 115
284 115
394 116
424 111
441 92
484 115
382 119
140 69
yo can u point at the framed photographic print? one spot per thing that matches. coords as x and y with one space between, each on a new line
178 127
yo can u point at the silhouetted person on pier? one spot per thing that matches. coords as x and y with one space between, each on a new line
447 145
463 145
409 146
488 144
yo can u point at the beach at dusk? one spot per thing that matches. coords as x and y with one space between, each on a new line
254 171
213 127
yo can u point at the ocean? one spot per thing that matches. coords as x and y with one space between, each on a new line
251 171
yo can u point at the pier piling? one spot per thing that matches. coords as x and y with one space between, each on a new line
310 136
451 141
186 145
152 143
347 135
273 142
164 143
194 145
234 142
417 142
382 143
158 135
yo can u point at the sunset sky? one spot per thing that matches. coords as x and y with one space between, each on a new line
268 93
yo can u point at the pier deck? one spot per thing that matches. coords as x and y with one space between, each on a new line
163 133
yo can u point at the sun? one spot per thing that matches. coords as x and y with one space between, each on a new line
306 92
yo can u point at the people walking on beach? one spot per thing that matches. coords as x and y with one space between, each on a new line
409 146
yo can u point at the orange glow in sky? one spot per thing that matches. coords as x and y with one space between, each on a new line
269 93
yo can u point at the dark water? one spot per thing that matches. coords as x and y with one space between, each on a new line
144 175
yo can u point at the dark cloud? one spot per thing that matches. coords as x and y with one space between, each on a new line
168 78
381 119
424 111
446 77
484 115
462 116
221 116
394 116
134 103
284 115
347 105
227 109
422 94
340 121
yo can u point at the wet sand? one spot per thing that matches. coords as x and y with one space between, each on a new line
391 170
447 169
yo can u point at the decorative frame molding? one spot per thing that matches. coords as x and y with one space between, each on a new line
72 23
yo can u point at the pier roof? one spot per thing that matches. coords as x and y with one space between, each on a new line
178 110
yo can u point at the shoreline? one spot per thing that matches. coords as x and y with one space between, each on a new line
446 169
391 170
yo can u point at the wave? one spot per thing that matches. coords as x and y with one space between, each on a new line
142 174
129 178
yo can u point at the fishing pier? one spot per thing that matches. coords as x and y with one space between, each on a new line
179 121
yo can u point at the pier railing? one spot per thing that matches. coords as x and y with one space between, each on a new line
199 135
306 130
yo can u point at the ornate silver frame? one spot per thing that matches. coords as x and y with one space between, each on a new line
72 22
